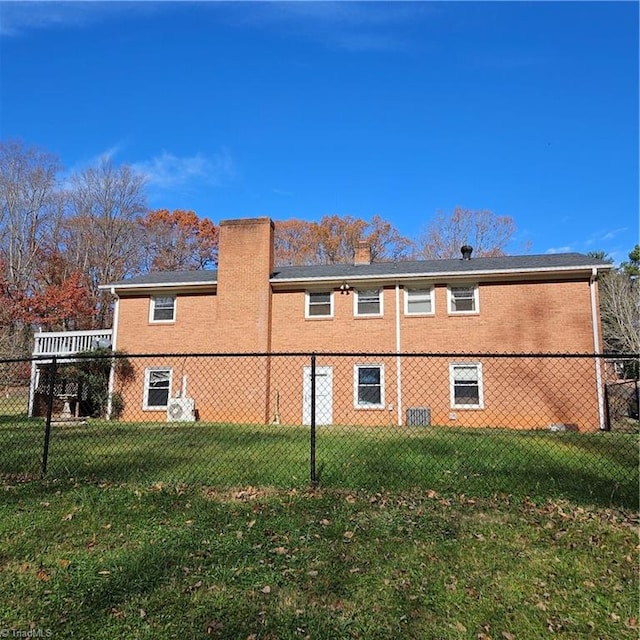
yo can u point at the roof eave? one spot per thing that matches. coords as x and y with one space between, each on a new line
149 286
585 270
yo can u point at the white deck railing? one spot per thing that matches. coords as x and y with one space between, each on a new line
64 343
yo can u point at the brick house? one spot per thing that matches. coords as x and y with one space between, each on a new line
511 304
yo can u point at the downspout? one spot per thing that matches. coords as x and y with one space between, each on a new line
596 345
32 387
398 359
114 337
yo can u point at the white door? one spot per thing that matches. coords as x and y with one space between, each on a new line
324 395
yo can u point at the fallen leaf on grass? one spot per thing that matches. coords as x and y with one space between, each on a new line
266 589
508 636
347 536
42 575
194 587
214 626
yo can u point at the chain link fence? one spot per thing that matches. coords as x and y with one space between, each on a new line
542 425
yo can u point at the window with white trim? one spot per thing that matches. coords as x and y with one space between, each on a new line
319 304
163 309
157 387
465 381
368 386
463 299
419 301
368 302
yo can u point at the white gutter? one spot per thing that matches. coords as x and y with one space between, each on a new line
596 346
398 359
342 277
156 285
436 275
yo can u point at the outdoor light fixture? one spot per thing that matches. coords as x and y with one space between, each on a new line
344 288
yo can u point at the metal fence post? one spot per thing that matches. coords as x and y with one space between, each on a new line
312 462
607 409
47 429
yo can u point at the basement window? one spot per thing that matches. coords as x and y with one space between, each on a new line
368 385
465 385
157 383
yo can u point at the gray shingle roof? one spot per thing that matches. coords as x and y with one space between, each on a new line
438 267
501 264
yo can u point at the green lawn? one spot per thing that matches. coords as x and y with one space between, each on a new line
162 561
598 468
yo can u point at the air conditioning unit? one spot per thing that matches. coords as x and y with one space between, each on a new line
418 417
181 410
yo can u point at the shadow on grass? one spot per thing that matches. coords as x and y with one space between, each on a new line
599 471
599 468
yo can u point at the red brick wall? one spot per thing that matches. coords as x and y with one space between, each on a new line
244 316
244 293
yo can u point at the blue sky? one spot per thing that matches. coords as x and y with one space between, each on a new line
303 109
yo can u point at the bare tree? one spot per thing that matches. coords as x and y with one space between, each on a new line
28 180
102 231
486 232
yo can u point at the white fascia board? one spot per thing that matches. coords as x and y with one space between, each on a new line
210 284
439 275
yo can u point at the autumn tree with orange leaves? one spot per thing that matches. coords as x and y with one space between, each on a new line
334 239
178 240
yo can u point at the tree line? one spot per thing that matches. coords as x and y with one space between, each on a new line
61 236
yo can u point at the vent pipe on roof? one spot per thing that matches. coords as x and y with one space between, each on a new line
466 251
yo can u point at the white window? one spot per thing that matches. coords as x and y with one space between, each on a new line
368 302
368 386
463 299
163 309
157 386
319 305
419 301
465 381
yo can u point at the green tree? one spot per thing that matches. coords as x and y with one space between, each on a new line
632 268
620 306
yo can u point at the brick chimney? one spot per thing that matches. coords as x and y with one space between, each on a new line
362 253
243 297
245 263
